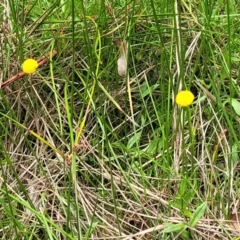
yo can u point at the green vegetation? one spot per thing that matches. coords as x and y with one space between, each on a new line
88 154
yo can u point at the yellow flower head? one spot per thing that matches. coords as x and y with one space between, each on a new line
29 66
184 98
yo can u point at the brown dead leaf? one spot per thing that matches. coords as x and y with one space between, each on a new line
235 221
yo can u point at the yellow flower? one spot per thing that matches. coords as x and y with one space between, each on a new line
184 98
29 66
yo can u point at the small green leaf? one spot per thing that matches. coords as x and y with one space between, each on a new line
134 139
174 227
185 234
197 214
235 59
234 153
147 90
183 186
235 104
187 213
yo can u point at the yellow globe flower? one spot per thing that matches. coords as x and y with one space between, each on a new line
29 66
184 98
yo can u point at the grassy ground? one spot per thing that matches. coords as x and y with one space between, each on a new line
88 154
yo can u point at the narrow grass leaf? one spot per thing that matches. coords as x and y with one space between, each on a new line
174 227
197 214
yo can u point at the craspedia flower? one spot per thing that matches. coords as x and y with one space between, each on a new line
184 98
29 66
